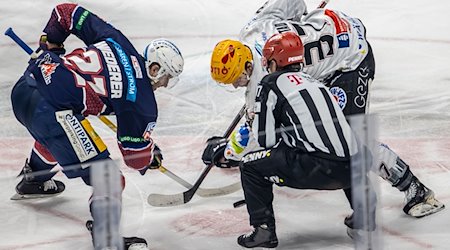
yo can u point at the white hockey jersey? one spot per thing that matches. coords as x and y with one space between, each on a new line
333 41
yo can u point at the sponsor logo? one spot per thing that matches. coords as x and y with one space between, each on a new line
342 29
363 88
82 19
98 142
123 59
295 58
78 137
256 156
275 179
343 40
83 138
340 96
131 139
229 55
115 74
47 69
136 66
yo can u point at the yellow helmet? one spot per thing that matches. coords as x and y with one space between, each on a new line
228 61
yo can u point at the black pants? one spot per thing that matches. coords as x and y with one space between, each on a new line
286 166
351 88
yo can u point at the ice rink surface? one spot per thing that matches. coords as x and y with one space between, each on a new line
410 95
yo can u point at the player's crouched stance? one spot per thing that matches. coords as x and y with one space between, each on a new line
306 141
107 77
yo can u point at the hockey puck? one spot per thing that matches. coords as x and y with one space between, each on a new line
239 203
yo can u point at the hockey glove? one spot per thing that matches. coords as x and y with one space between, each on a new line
156 162
214 153
238 142
157 158
54 47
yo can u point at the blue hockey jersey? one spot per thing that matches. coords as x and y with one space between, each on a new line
106 77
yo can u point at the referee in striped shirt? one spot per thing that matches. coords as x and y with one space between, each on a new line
306 140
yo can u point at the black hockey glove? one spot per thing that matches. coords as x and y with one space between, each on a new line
157 158
214 153
156 162
59 50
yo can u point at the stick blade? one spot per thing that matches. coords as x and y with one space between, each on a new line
212 192
18 197
165 200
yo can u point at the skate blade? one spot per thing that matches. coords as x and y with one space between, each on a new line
430 206
138 246
18 197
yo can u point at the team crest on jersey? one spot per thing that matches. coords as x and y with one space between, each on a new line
340 96
47 69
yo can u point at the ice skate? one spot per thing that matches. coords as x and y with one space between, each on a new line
357 233
420 200
261 236
129 243
29 188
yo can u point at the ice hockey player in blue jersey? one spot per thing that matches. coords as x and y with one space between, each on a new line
108 77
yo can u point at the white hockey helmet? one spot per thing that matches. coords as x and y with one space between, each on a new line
167 55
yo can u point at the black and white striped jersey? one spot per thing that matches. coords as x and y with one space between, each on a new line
301 111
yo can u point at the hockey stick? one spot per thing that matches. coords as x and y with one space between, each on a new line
9 32
161 200
203 192
323 4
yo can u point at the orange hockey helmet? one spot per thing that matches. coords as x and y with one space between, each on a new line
285 48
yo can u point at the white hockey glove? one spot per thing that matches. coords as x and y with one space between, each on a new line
239 140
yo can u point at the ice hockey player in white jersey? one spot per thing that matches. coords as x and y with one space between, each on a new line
336 53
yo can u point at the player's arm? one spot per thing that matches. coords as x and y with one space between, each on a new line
282 9
69 18
134 139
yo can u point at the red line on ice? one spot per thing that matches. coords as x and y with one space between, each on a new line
421 244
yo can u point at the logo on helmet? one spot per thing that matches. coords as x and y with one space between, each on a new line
228 55
295 58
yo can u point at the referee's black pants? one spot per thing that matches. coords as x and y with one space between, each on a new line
289 167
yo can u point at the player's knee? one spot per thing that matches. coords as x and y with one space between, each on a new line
392 168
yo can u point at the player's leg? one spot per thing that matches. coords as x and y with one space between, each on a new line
37 179
90 161
420 200
258 173
284 167
361 224
66 137
352 90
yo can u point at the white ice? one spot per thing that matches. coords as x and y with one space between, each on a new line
411 42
